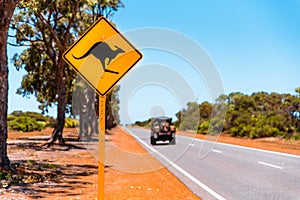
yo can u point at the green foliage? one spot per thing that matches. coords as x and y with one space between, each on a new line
146 123
112 104
71 123
258 115
8 179
34 115
205 109
296 137
216 125
83 92
203 127
25 124
4 175
189 116
39 172
47 29
29 121
297 90
49 166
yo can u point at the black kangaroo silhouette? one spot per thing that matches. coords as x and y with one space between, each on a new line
102 50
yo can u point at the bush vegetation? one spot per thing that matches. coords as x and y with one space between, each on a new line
146 123
257 115
71 123
29 121
32 121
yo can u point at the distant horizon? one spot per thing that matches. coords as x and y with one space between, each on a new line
47 114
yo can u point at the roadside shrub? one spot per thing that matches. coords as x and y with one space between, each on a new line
146 123
29 121
25 124
245 130
296 137
268 131
71 123
216 125
50 122
42 123
10 117
203 128
253 134
7 179
234 131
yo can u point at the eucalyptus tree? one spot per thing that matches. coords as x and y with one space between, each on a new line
47 28
86 107
7 8
297 90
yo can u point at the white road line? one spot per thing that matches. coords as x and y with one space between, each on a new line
192 145
269 165
216 151
185 173
250 148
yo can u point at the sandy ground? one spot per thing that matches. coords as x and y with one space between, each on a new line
76 174
71 172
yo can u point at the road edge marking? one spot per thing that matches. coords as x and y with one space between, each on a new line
217 151
269 165
182 171
250 148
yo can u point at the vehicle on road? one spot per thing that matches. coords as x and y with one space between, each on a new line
162 129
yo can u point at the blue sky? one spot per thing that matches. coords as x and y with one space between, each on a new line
255 46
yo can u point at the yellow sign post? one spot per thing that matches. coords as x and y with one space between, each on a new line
101 147
102 56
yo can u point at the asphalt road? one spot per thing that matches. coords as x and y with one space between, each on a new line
221 171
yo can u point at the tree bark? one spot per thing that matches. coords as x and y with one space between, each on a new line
88 116
7 8
93 117
61 106
110 120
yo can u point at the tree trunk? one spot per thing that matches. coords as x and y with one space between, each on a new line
88 115
93 118
61 106
110 120
7 8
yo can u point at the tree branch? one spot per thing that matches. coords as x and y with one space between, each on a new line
66 34
46 43
52 32
27 39
18 45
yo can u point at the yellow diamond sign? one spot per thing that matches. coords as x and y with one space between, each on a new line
102 56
